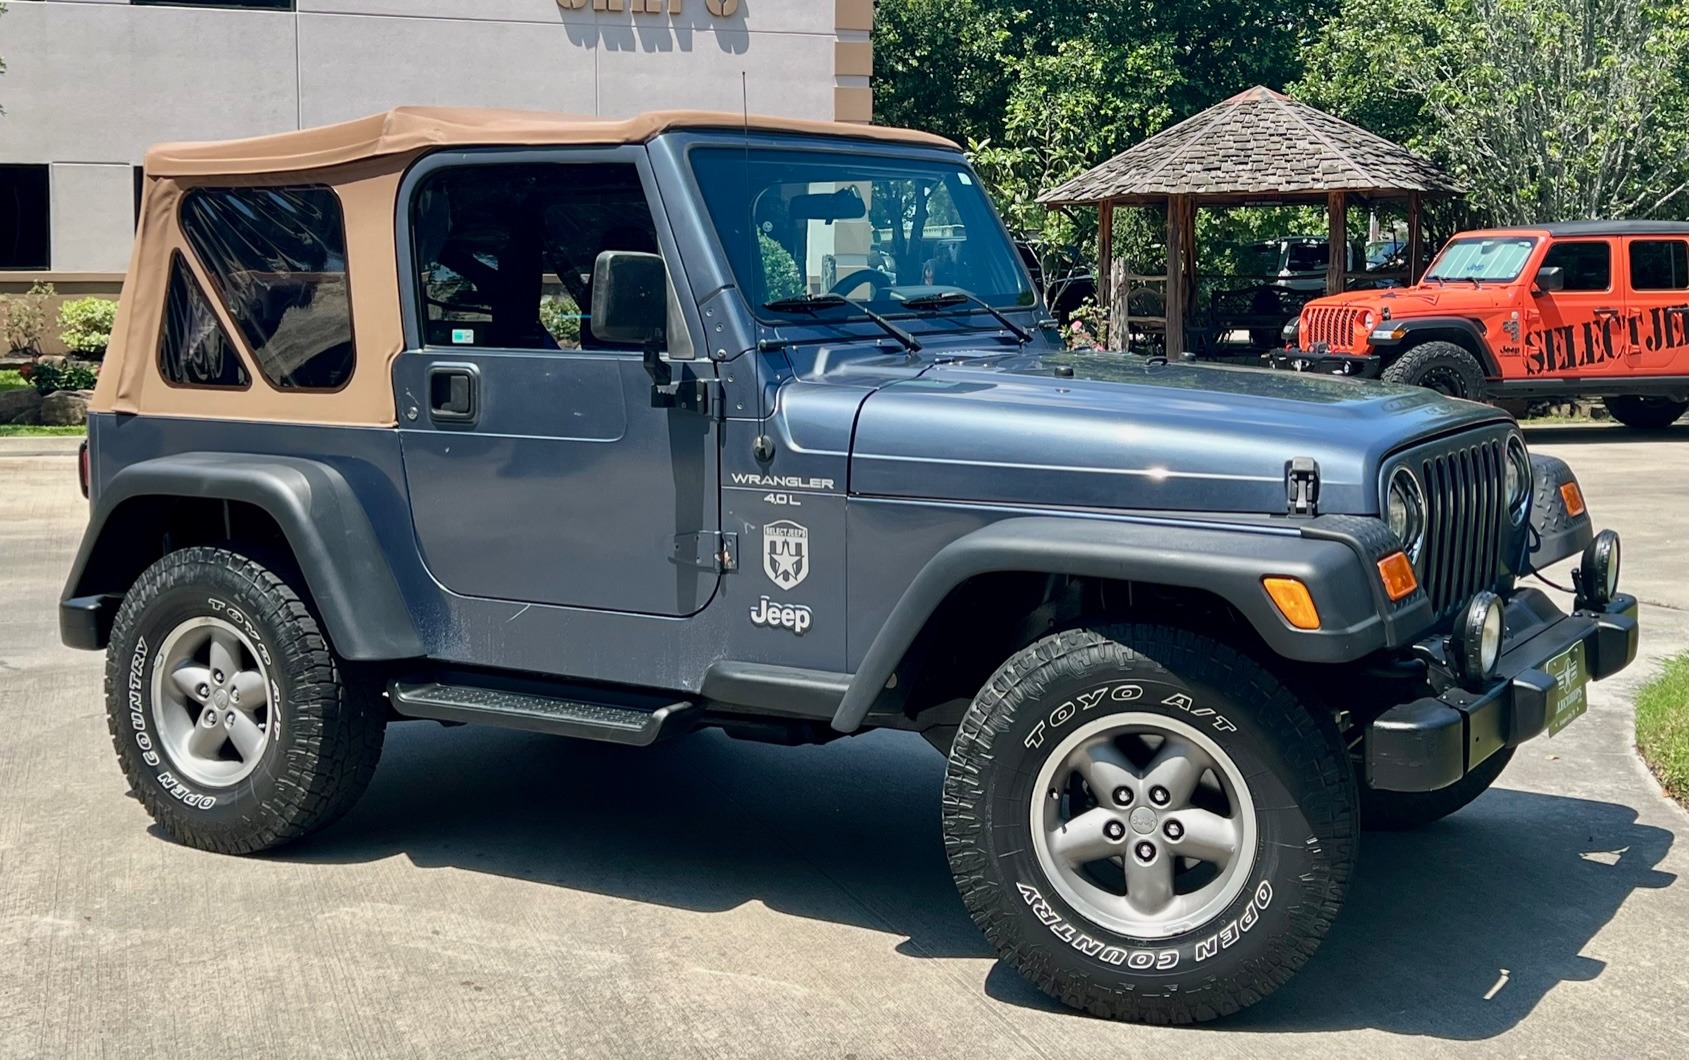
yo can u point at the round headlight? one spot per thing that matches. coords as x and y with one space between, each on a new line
1598 575
1404 510
1518 479
1475 647
1368 319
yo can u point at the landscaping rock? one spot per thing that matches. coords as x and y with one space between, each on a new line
20 406
64 408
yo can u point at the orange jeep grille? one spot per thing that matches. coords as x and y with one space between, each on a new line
1333 326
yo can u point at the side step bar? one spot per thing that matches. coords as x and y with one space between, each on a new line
637 723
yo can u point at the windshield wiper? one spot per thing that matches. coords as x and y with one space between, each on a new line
809 303
959 297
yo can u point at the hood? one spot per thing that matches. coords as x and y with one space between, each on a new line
1124 432
1425 300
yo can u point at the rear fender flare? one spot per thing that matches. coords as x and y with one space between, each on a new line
319 514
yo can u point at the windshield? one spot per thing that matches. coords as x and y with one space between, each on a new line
875 230
1498 258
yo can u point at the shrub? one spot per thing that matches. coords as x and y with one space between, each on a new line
26 318
562 317
48 376
87 325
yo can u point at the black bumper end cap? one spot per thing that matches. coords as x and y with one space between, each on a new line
1616 632
1417 746
85 621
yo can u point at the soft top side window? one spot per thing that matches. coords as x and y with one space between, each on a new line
1588 266
193 348
505 252
1659 265
277 258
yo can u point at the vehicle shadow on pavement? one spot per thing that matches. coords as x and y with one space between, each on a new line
1455 931
1554 434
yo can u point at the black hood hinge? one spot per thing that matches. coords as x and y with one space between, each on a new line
1302 486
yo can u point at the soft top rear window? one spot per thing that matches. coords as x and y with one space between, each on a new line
277 257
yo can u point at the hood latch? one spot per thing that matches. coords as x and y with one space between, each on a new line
1302 486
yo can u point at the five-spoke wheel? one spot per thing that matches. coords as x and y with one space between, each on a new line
211 701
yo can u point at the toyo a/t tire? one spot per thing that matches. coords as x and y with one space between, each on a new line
1147 824
236 725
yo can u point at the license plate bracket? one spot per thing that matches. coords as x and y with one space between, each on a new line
1569 698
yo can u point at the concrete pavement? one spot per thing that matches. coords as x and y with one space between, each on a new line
499 893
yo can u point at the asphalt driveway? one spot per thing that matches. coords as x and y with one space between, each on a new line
504 894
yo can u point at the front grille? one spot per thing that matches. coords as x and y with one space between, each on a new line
1333 326
1466 512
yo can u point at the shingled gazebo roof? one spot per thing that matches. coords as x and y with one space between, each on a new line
1258 143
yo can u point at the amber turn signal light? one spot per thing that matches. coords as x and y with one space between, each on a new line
1573 497
1397 572
1293 601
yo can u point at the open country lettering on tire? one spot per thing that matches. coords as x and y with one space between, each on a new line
1179 631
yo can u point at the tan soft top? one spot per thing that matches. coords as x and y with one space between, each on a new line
407 130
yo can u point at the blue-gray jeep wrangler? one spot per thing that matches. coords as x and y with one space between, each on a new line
621 429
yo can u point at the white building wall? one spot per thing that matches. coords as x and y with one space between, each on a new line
90 84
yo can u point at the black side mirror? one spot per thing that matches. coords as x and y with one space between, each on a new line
1551 278
629 298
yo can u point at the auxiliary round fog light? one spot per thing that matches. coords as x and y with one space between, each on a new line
1598 577
1476 643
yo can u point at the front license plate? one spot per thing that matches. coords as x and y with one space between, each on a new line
1568 701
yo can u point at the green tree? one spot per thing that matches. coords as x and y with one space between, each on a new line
1546 110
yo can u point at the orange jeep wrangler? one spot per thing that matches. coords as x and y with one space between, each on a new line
1584 308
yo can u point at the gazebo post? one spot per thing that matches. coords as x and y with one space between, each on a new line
1105 269
1337 241
1413 237
1175 311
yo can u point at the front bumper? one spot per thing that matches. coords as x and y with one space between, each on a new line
1356 365
1432 742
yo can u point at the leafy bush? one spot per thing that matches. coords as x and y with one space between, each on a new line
562 317
781 275
26 318
48 376
87 325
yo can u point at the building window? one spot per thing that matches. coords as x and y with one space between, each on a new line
193 349
262 5
277 257
24 224
1659 265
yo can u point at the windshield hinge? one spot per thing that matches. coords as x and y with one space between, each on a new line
711 550
1302 486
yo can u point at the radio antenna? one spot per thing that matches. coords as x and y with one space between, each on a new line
762 447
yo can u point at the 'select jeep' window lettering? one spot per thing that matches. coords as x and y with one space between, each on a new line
1659 265
278 259
504 253
193 349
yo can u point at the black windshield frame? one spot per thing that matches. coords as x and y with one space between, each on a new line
735 180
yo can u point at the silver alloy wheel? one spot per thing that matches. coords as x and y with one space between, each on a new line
211 702
1143 824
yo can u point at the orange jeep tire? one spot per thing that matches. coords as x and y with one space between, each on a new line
1440 366
1645 413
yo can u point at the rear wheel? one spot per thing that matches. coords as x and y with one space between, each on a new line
1395 811
235 723
1441 366
1147 824
1646 413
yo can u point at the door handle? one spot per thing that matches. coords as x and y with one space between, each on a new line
453 392
1606 311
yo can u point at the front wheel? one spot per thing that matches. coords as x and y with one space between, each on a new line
1646 413
1441 366
235 723
1147 824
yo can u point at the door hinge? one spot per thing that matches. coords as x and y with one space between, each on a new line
711 550
1302 486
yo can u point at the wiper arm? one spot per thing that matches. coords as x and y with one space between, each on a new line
809 303
947 299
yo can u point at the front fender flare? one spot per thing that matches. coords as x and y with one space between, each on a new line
1227 561
322 519
1458 330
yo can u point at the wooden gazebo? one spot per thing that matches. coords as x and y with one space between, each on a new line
1258 148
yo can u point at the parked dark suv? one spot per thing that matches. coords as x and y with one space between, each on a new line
621 429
